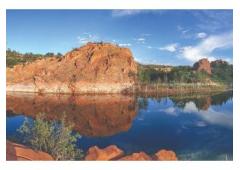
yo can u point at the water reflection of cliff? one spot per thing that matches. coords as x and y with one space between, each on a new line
101 115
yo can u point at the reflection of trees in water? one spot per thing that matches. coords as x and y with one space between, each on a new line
143 103
202 102
222 98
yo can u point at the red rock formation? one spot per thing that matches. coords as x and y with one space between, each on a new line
93 68
21 152
92 115
141 156
203 65
111 152
165 155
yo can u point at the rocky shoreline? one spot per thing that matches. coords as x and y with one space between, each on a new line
20 152
61 88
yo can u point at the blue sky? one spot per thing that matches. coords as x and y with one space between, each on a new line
173 37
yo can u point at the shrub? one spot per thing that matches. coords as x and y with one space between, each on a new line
55 137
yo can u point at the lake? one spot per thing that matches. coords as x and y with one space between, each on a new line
196 127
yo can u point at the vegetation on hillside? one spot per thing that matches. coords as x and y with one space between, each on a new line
13 57
221 73
53 137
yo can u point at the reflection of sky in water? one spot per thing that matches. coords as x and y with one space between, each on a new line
191 132
219 115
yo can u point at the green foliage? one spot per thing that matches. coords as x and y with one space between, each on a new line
53 137
13 57
146 75
222 72
180 74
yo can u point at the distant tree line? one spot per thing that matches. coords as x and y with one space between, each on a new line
221 73
13 57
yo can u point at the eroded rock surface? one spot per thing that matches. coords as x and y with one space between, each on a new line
21 152
93 68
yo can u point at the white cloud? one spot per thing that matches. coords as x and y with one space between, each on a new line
120 13
185 31
213 20
170 111
170 47
205 48
211 116
146 34
201 35
140 40
125 45
179 28
87 37
128 12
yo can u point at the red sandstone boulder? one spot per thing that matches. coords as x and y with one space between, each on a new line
21 152
93 68
165 155
203 65
141 156
111 152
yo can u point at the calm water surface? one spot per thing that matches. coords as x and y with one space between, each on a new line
196 127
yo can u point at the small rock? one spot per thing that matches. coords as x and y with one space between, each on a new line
111 152
165 155
20 152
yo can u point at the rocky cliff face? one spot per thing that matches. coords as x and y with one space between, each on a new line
203 65
93 68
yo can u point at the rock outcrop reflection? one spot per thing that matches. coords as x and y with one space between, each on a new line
92 115
202 102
